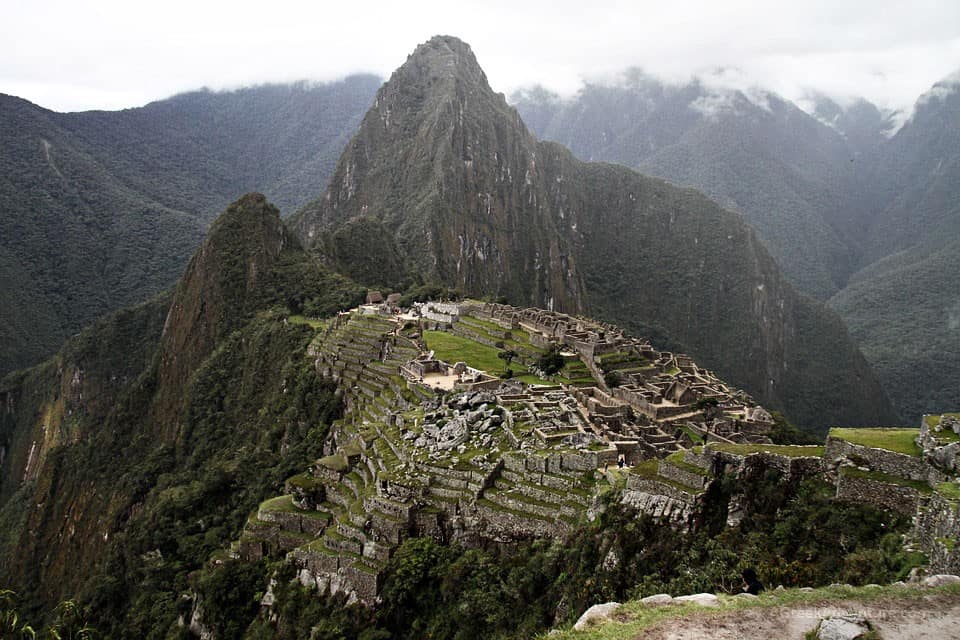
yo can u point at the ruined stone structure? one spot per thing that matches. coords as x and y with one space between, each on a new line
485 458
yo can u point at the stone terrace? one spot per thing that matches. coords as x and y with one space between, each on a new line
489 459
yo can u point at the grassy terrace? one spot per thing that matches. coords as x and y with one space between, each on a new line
283 504
879 476
453 348
790 451
694 436
949 490
896 439
676 459
312 322
650 469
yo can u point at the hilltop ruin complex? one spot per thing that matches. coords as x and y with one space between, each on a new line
449 450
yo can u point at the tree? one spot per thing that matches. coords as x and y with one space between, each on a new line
612 378
551 362
508 356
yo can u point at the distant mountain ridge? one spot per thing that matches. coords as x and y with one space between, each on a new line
903 306
757 154
445 174
99 210
856 209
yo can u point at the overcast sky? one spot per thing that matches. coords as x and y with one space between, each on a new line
72 55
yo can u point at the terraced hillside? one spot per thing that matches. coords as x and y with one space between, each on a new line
446 450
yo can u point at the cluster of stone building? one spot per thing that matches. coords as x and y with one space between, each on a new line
490 459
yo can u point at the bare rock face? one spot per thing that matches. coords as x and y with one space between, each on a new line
702 599
595 614
940 580
848 627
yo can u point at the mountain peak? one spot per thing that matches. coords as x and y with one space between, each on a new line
442 57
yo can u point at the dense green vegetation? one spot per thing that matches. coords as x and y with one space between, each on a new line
904 310
436 591
67 622
162 472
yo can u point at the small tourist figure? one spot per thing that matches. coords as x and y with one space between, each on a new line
621 462
751 584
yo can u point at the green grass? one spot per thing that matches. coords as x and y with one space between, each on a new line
453 348
694 436
879 476
337 462
304 481
790 451
949 543
283 504
650 469
313 322
949 490
676 459
933 420
900 440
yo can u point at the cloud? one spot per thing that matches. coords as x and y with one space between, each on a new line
113 53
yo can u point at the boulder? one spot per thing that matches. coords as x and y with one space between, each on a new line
746 596
702 599
657 600
847 627
596 613
940 580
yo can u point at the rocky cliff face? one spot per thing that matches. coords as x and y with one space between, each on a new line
454 176
472 200
218 290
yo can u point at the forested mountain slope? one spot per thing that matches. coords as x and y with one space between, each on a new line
143 445
869 222
755 153
904 305
99 210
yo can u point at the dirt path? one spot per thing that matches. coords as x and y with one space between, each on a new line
934 617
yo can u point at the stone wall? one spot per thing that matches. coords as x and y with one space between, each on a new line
502 525
647 485
682 476
889 462
938 531
559 463
791 467
898 498
659 506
